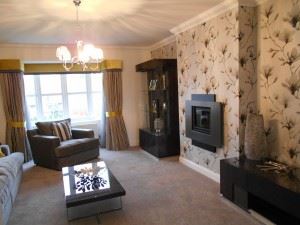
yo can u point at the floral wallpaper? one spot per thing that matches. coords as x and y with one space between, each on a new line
168 51
247 67
279 77
250 58
208 64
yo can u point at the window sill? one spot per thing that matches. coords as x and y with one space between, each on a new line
84 122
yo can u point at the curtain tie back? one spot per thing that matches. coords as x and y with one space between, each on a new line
17 124
113 114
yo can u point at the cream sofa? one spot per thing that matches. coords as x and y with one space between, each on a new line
10 178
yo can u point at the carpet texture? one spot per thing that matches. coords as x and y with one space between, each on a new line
157 192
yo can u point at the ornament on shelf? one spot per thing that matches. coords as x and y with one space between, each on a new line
158 125
271 166
255 138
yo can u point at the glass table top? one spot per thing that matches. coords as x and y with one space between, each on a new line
89 182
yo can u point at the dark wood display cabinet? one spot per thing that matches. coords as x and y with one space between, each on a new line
161 137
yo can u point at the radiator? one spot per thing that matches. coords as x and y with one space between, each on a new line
88 125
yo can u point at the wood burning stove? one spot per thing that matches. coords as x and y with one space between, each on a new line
204 122
201 119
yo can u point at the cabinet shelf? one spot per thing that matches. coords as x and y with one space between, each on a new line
160 90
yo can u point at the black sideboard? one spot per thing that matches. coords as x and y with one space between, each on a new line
275 196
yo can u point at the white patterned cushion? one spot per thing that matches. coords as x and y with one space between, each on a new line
62 130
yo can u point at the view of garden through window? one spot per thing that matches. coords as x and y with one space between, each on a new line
58 96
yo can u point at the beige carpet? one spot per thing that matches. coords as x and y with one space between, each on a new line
158 192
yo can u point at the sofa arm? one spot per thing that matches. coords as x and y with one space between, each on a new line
82 133
5 149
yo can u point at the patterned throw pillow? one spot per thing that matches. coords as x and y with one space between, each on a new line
62 130
2 153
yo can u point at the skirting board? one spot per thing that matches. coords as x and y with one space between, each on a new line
200 169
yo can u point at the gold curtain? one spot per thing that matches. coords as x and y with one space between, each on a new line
12 87
116 134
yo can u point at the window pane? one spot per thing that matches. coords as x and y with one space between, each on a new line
78 107
76 83
31 106
52 107
50 84
97 106
29 84
96 79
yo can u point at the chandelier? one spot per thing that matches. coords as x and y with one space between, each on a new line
88 57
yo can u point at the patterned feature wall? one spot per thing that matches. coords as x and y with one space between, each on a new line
168 51
279 77
250 58
247 67
208 64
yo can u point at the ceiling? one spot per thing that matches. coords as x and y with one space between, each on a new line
105 22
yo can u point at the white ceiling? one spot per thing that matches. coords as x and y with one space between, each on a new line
105 22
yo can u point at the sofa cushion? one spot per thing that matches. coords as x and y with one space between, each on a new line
74 146
1 153
45 128
11 164
10 167
5 183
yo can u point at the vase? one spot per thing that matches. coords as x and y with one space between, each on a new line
255 138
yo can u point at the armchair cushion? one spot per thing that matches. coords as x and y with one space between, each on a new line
82 133
62 130
45 128
73 146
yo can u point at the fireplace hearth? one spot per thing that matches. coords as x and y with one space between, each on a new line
204 122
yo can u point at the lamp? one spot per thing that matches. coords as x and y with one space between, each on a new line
86 53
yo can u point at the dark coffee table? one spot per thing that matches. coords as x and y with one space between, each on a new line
91 189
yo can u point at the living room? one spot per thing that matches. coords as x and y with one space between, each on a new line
232 131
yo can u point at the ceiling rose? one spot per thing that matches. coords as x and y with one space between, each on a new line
90 9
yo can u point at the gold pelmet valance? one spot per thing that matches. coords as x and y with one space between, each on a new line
7 65
11 65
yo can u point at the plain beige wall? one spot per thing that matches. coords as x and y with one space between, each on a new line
132 81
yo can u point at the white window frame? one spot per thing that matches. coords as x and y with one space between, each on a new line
64 93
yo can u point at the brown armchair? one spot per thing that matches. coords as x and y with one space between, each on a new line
48 151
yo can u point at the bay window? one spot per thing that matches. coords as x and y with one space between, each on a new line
58 96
